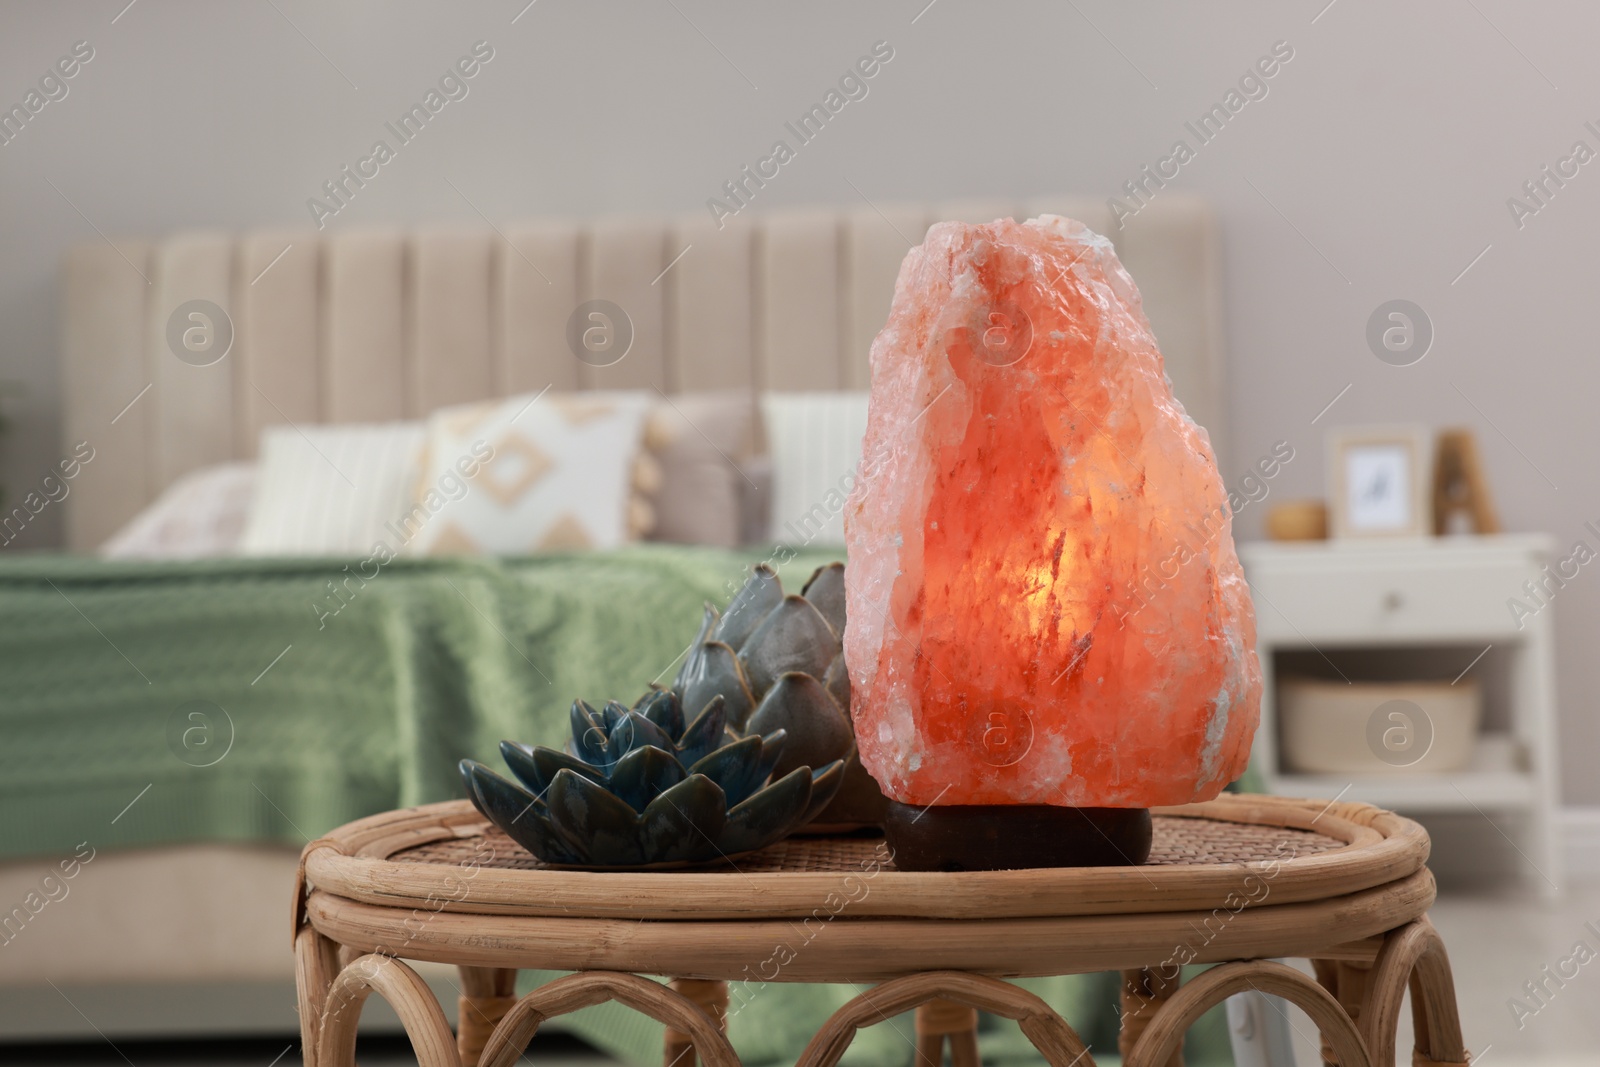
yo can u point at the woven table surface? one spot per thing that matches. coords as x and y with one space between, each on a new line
448 856
1177 842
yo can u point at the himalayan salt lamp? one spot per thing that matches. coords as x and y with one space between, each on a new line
1049 631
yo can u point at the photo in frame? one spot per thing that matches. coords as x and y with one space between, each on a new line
1380 482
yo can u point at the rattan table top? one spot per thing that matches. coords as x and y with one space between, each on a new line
1177 842
446 857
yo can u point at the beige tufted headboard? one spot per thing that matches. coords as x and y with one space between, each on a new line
381 325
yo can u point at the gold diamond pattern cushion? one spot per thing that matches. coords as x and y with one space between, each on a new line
532 473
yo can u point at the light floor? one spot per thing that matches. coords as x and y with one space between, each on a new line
1497 942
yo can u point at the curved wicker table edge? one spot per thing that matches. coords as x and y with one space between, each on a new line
353 862
846 948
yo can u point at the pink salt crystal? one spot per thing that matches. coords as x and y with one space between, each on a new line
1045 606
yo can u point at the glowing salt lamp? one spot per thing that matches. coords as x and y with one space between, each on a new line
1049 631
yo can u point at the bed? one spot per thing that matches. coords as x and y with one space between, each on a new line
444 656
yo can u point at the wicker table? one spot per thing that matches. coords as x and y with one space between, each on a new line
1235 882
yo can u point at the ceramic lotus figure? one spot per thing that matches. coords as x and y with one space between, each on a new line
642 786
777 662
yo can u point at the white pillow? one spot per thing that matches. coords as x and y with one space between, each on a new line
199 516
814 440
530 473
331 490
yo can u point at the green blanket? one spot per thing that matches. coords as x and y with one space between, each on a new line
271 700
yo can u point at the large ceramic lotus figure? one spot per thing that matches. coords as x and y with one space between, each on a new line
1045 606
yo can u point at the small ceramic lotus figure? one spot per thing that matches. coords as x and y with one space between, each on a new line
640 787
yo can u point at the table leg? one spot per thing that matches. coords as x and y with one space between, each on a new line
316 965
1144 991
940 1019
1327 972
487 993
1347 981
710 997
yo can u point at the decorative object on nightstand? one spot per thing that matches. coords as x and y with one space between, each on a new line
1390 609
1298 520
1462 503
642 788
1379 481
1049 631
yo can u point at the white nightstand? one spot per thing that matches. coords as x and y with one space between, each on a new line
1441 600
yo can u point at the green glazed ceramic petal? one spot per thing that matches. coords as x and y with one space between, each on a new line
769 814
523 818
588 733
683 824
772 748
612 714
502 801
736 769
465 767
825 590
794 637
825 785
717 671
535 766
708 622
634 731
644 774
704 734
838 682
600 827
762 592
818 731
661 706
691 662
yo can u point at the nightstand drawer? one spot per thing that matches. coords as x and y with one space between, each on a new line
1375 602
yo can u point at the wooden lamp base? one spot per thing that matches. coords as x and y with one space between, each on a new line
983 837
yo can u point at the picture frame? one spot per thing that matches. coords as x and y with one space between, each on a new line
1380 482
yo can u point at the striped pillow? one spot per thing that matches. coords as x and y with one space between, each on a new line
331 490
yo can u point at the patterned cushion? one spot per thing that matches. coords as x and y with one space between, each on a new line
533 473
200 515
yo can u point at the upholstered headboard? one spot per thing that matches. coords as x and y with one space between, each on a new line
381 325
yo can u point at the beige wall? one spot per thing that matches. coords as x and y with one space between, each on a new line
1376 167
